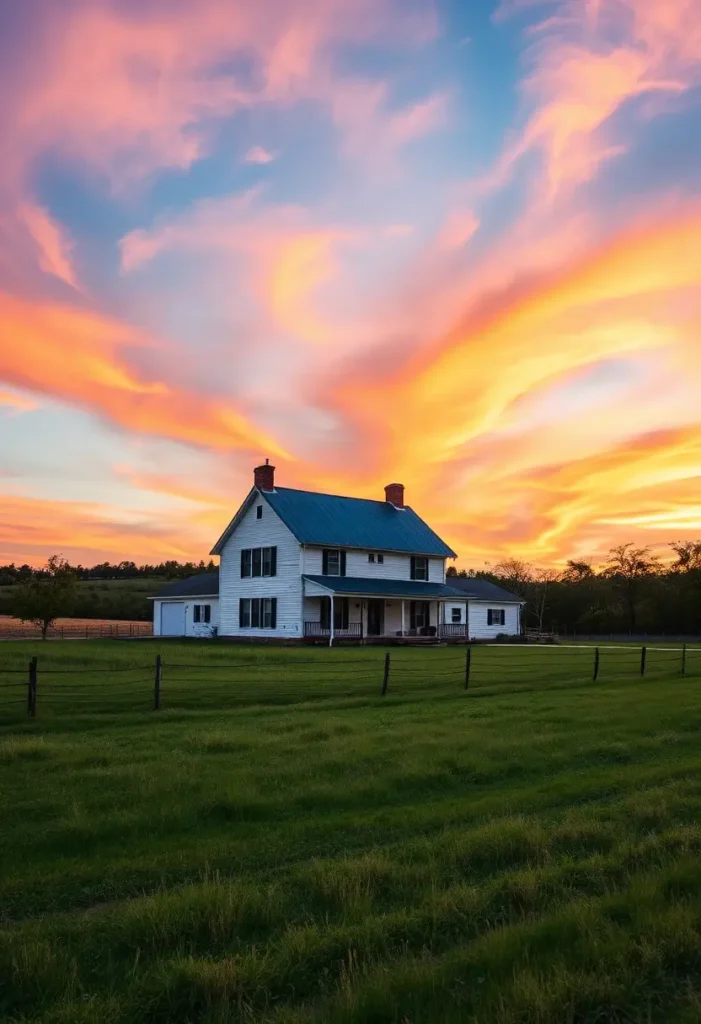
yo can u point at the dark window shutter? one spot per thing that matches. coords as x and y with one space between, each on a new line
325 563
273 611
241 600
208 613
343 563
243 557
413 571
273 561
490 617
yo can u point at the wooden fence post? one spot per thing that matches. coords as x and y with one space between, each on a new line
468 665
597 663
643 660
32 688
385 680
157 685
684 659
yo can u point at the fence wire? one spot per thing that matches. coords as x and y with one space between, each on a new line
284 676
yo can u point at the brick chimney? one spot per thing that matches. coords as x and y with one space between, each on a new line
264 477
394 493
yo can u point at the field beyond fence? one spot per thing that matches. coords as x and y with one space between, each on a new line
152 676
74 629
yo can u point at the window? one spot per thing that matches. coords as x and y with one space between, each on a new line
419 568
340 613
371 557
202 613
376 557
380 558
258 612
456 615
259 511
333 562
266 612
259 562
496 616
418 614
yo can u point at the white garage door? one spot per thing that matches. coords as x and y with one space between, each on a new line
173 618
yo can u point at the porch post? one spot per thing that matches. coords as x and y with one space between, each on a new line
331 623
362 613
402 616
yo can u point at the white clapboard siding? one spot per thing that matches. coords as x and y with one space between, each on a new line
286 586
394 567
460 605
192 628
479 630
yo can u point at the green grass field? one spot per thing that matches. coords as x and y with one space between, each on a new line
280 843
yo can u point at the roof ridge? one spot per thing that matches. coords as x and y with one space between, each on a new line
344 497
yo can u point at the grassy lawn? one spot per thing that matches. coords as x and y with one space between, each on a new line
280 843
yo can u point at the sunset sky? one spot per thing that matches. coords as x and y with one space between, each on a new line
454 243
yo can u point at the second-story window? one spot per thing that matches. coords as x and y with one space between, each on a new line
333 562
376 556
259 562
259 511
419 568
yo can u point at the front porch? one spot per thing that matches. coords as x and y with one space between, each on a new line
382 611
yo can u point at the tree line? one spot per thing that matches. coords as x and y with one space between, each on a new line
634 591
170 570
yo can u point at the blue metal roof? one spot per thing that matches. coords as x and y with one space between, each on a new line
204 584
334 521
386 588
482 590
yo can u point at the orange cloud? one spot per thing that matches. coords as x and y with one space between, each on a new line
298 269
18 403
442 406
31 528
78 356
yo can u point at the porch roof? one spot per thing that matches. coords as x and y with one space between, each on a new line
362 586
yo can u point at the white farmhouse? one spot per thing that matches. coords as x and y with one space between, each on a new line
301 565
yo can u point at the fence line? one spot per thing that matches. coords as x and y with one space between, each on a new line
40 689
86 630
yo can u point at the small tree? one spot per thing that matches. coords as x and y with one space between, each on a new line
46 596
543 580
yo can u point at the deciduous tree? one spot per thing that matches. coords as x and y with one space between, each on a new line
46 596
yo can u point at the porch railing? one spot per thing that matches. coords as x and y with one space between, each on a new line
448 629
316 629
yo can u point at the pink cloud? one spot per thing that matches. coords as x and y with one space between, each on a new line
16 402
134 92
578 82
258 155
54 248
372 129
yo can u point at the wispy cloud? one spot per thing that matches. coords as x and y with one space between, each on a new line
259 155
54 247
